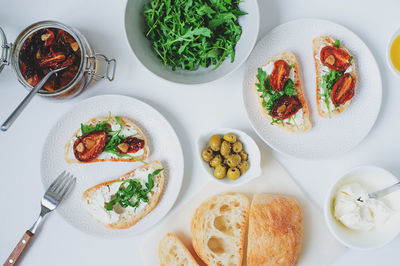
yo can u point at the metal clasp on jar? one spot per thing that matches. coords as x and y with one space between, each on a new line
5 58
109 67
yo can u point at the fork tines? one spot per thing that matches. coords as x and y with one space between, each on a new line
60 186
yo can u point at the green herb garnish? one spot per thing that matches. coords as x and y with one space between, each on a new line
328 80
336 43
98 127
187 34
130 188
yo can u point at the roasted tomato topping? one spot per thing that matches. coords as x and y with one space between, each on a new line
130 145
285 107
88 147
335 58
279 75
343 89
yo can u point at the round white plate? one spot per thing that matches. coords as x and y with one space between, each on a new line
163 143
328 137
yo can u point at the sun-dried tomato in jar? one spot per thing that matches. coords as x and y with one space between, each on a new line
49 49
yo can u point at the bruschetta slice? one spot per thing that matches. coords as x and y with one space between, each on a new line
122 202
112 138
336 77
281 95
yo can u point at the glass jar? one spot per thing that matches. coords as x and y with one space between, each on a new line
89 68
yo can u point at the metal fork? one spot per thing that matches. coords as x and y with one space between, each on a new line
51 199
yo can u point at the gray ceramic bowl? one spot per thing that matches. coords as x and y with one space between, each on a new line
134 28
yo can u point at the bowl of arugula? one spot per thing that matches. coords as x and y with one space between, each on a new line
192 41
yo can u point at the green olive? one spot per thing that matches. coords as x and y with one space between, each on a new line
233 173
233 160
244 155
237 146
225 149
207 154
230 137
215 142
216 160
243 166
220 171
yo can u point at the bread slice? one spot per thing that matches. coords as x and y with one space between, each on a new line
275 231
96 197
218 229
319 43
172 252
129 129
303 124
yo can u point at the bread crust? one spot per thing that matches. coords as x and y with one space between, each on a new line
176 240
275 231
318 43
198 225
290 58
69 146
152 201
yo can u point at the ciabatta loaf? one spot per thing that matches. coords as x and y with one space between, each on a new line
218 229
275 231
325 106
95 198
300 121
172 252
128 129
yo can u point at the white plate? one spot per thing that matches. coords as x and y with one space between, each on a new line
163 143
327 137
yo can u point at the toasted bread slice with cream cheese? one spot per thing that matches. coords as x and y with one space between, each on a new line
128 129
96 197
328 109
300 121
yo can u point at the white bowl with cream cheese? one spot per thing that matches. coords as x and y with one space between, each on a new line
365 224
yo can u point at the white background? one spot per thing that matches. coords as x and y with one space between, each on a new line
190 110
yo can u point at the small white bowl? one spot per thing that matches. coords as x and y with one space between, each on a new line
372 178
389 46
249 145
141 46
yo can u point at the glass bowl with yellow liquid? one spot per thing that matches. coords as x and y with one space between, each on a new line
393 53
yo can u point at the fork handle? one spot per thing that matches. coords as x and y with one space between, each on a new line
19 249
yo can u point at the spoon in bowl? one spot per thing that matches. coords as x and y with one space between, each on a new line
383 192
27 99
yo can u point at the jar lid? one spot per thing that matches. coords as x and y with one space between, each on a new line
3 49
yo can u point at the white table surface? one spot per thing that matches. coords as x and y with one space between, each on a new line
198 109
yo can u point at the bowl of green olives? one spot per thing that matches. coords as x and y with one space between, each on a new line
229 156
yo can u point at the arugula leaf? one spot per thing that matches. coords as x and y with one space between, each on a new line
290 89
130 188
205 10
261 76
336 43
98 127
328 80
190 34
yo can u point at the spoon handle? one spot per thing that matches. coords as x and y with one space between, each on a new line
385 191
26 100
